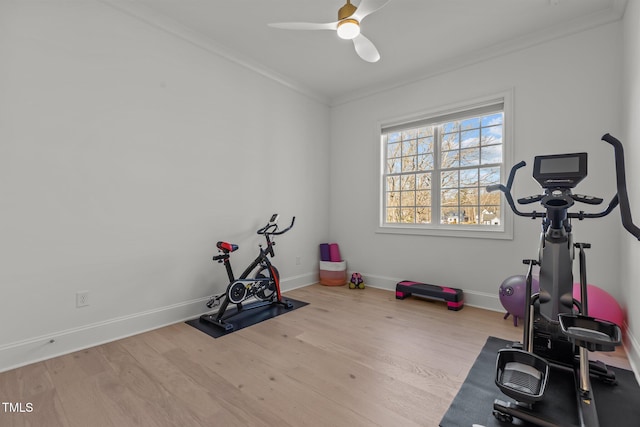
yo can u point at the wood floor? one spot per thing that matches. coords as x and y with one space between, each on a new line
349 358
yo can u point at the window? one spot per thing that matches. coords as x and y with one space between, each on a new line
435 171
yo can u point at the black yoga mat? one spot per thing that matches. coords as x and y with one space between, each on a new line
618 405
245 318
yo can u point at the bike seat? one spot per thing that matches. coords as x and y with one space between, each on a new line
227 247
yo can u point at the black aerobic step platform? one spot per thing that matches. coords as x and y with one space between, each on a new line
452 296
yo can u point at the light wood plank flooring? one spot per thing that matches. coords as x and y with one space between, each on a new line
350 358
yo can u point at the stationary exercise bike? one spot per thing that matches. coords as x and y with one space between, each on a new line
262 289
558 331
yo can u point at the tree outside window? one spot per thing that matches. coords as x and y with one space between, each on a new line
436 171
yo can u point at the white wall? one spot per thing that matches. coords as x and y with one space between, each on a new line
630 247
125 154
566 96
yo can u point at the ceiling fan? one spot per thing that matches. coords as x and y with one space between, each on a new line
347 26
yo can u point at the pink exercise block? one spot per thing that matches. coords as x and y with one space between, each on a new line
334 252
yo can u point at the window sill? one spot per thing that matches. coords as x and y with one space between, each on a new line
501 233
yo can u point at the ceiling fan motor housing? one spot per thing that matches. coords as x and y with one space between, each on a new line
346 11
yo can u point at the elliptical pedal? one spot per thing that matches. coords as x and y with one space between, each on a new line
521 375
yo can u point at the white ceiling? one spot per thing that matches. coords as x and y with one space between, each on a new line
415 38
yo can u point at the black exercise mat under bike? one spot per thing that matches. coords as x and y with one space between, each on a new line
618 405
245 318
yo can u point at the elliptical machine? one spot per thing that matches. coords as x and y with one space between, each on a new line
558 331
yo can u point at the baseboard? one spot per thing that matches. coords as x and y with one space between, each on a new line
300 281
32 350
632 347
471 298
40 348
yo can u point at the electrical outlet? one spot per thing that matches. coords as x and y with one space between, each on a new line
82 299
298 261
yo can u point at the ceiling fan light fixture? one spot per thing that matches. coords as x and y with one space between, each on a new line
347 26
348 29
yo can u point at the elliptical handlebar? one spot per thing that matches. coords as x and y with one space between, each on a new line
621 185
620 198
506 189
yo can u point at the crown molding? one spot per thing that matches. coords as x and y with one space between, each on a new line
149 16
603 17
164 23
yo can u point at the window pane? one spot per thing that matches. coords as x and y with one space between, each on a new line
473 214
449 179
467 215
492 119
449 216
450 141
490 215
449 198
393 150
425 162
487 198
469 157
393 183
393 166
409 182
393 137
393 199
425 145
450 127
423 198
423 181
472 123
409 134
470 138
469 178
489 176
492 135
409 148
469 196
407 215
425 132
450 159
393 215
409 164
408 198
491 154
423 215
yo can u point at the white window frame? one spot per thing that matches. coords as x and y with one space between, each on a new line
502 231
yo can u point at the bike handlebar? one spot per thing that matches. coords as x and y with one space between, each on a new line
265 230
293 220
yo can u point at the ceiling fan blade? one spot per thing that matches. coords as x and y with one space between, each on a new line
304 26
365 49
367 7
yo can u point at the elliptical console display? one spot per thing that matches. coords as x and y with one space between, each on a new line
560 170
